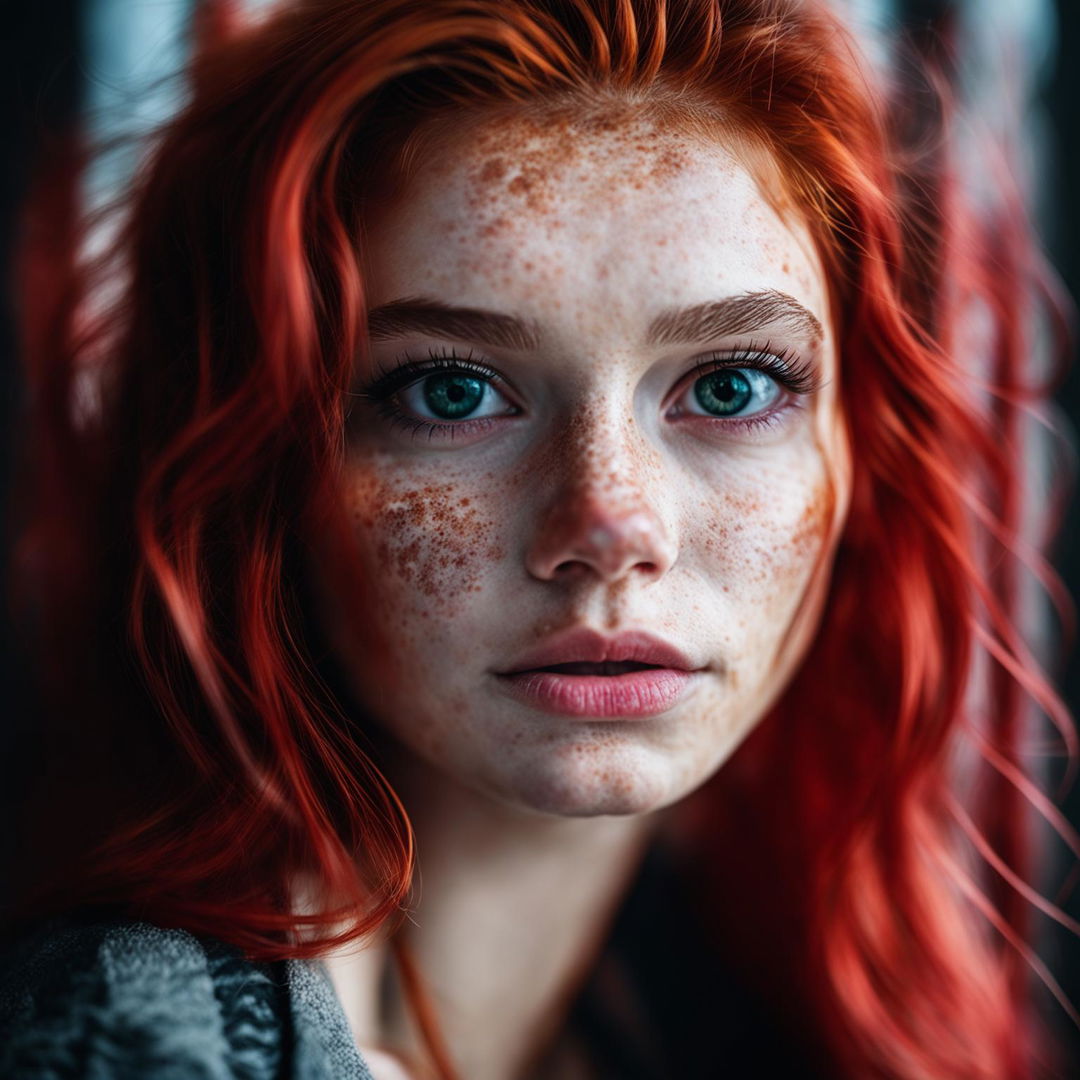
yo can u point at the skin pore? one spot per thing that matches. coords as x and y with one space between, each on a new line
592 485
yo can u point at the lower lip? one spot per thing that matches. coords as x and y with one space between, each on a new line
635 693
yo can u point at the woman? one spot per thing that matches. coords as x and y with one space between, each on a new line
528 501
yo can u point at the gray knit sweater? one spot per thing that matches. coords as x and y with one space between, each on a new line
94 1000
131 1001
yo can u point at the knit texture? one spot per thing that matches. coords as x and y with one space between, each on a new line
131 1001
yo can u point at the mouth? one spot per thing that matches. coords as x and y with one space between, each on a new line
605 690
582 651
581 672
604 668
585 674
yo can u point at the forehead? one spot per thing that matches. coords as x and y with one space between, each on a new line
587 226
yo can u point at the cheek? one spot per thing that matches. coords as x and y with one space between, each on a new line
762 538
430 538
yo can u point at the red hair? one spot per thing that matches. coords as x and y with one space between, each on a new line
212 764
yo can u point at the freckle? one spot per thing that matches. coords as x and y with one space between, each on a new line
497 227
787 269
495 169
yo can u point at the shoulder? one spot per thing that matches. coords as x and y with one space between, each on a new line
123 998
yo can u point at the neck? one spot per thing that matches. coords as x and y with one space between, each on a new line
511 908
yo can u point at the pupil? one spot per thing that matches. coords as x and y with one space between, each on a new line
723 392
452 396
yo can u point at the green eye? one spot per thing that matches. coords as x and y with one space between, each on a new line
729 391
723 392
452 397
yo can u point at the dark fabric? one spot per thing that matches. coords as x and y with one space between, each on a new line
127 1001
660 1006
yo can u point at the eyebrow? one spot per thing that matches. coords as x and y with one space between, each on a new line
460 323
741 314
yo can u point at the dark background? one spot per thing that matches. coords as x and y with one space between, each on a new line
42 80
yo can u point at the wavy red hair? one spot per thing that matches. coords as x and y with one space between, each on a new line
183 436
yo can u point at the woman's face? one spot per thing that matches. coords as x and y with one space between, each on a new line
617 415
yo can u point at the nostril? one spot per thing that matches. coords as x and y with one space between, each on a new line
572 566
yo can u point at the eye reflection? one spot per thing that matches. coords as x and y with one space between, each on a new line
728 392
452 396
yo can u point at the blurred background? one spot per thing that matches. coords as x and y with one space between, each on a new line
107 65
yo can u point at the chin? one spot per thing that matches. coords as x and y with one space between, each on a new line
594 780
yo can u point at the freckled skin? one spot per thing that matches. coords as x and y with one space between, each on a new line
587 500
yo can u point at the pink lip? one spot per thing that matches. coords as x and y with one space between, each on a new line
583 644
636 693
633 693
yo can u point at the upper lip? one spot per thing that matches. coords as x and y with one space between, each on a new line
582 645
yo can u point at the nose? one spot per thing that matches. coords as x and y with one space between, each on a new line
602 521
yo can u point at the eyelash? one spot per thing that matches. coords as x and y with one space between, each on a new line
796 375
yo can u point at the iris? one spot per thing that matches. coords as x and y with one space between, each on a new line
723 392
451 397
